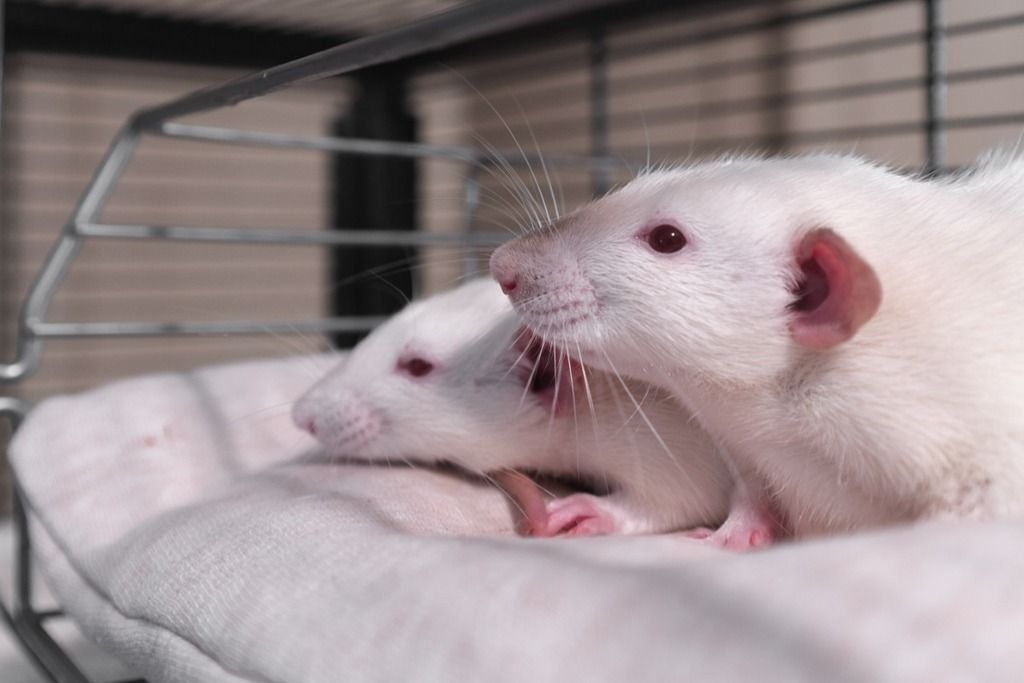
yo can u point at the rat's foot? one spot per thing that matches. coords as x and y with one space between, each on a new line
580 514
746 528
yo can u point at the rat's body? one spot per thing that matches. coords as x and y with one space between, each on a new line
853 338
455 378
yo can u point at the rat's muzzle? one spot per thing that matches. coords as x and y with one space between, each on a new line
340 421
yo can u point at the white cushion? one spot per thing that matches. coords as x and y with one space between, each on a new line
177 526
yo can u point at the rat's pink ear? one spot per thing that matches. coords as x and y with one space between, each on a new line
838 291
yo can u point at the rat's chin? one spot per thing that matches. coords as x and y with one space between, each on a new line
571 333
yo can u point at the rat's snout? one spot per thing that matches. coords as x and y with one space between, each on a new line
546 285
339 420
518 266
304 414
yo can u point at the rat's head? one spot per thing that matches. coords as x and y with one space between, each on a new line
451 378
722 269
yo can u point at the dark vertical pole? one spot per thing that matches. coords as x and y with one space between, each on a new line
935 84
374 192
3 48
599 107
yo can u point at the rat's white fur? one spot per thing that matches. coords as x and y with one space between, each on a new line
474 411
920 415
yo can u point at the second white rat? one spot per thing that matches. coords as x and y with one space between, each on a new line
455 378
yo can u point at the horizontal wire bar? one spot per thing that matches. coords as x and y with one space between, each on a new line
830 134
721 69
284 237
738 29
414 150
317 142
816 96
527 68
253 328
458 26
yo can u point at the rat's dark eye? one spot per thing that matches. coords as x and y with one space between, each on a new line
666 239
415 367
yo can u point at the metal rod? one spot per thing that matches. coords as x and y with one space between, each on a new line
298 238
732 31
675 113
835 134
37 303
935 92
65 330
23 584
703 72
318 142
599 107
466 23
48 655
24 622
48 614
416 150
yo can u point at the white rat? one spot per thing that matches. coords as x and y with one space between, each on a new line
455 378
852 338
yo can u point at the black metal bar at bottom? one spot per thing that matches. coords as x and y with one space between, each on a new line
24 622
46 654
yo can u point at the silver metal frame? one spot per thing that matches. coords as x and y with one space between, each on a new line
470 22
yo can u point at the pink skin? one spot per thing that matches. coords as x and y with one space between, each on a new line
840 292
752 523
837 294
579 514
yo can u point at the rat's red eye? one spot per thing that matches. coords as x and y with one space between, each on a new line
666 239
416 367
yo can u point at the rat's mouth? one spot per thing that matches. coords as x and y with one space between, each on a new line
550 374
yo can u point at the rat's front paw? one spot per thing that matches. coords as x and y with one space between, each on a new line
580 514
746 528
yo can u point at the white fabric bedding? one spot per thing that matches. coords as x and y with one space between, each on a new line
175 525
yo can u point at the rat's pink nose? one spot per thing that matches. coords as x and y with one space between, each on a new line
508 284
308 424
503 269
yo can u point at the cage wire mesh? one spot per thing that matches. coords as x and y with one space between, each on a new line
915 83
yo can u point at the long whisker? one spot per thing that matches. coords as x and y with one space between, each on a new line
494 482
543 164
647 421
511 134
590 402
522 153
515 183
261 411
520 357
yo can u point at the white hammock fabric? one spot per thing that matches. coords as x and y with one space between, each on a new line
176 525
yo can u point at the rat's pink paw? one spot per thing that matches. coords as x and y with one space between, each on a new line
580 514
743 530
744 536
